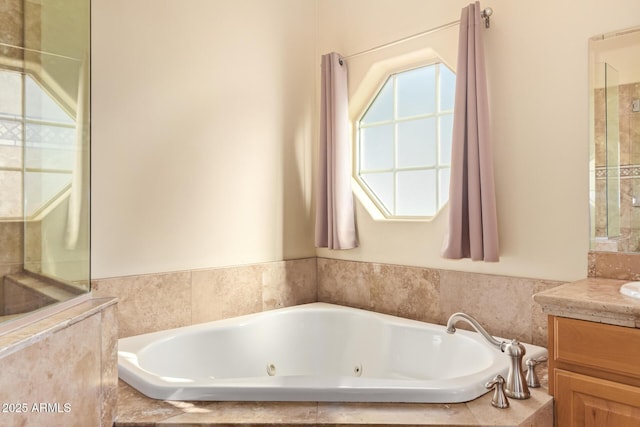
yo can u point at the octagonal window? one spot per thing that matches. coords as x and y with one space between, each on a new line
404 142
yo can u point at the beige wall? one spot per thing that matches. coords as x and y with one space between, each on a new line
537 65
186 95
201 133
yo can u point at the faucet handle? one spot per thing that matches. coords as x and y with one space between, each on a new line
499 399
532 377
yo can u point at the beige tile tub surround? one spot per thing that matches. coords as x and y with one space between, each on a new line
62 370
154 302
502 304
148 303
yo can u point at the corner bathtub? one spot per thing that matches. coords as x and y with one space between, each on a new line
312 352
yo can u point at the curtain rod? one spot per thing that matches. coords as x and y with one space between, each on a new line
485 14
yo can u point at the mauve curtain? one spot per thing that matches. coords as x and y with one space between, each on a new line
335 217
473 224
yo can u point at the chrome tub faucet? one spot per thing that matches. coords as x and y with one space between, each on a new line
516 386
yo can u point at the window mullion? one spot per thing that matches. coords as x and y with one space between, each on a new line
438 148
395 145
403 169
398 120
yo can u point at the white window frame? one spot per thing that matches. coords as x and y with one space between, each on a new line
370 194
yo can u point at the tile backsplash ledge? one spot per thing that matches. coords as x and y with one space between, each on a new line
614 265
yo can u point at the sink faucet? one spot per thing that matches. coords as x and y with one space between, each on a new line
516 386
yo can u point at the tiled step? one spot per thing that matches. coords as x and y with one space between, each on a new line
9 317
25 292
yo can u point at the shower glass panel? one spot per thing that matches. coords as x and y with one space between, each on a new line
612 141
44 155
55 180
607 154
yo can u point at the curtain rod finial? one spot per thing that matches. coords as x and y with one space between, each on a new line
485 14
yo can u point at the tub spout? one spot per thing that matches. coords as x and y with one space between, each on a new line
516 386
474 323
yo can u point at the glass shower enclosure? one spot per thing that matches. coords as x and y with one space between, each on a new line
44 155
607 153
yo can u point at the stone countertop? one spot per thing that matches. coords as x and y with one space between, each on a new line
593 299
137 410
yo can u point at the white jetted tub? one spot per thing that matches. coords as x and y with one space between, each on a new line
313 352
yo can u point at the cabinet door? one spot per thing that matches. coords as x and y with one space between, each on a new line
598 346
593 402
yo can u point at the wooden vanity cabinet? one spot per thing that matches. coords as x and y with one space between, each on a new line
594 373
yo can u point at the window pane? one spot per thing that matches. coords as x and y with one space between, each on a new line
382 107
40 106
40 187
10 194
446 132
376 147
10 93
417 92
444 176
50 147
10 157
48 158
416 195
381 184
417 143
447 88
10 132
50 136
